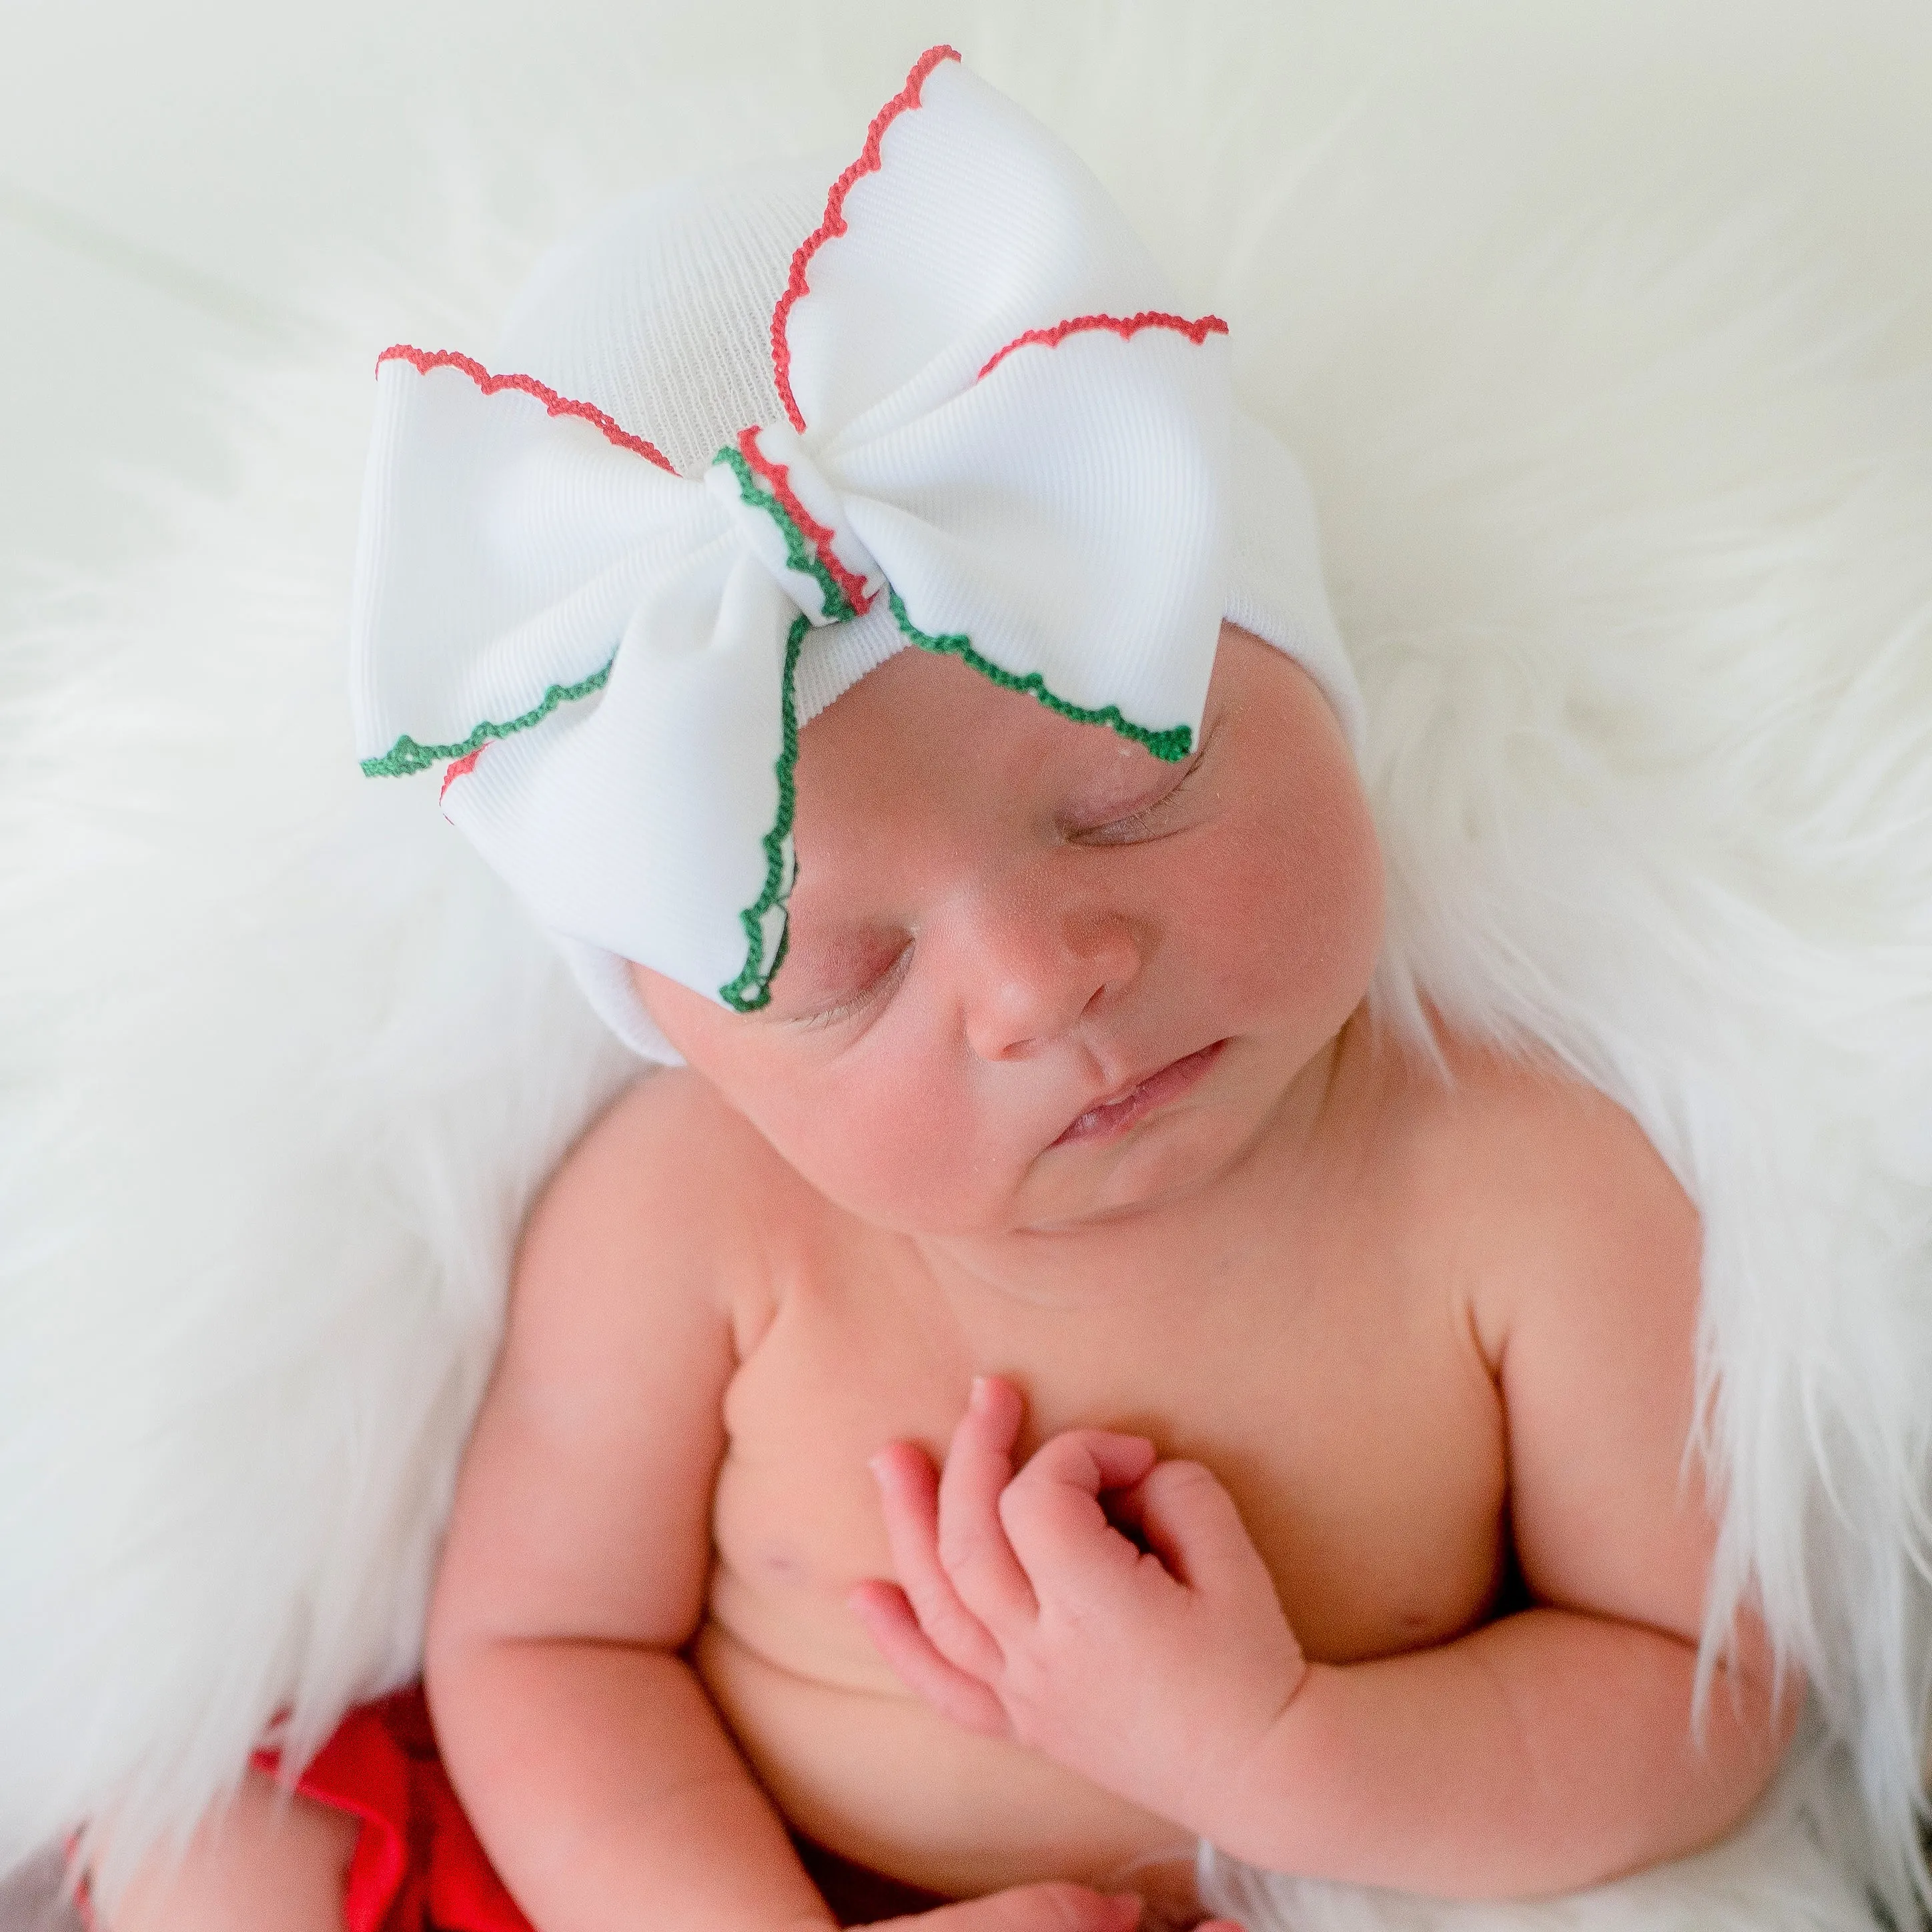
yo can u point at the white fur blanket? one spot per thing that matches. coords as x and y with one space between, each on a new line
1606 336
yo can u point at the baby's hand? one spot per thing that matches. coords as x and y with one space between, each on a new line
1025 1613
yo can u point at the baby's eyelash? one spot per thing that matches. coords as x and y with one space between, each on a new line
830 1016
1137 821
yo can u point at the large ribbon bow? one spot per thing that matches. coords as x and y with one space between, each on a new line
1000 443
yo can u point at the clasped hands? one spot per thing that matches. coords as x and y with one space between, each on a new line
1152 1663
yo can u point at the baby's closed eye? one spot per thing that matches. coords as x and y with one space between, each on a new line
838 977
1133 820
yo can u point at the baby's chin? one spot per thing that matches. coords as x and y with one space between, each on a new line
1166 1162
1166 1158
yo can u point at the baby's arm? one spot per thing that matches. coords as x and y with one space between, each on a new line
1553 1748
594 1765
1543 1752
583 1748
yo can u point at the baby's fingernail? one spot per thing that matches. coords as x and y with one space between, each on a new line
977 1400
877 1464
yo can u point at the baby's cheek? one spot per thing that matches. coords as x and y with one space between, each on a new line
891 1143
1287 916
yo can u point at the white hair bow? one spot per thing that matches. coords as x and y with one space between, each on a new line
1000 445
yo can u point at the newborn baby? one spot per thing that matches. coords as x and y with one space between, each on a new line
1053 1385
1047 1399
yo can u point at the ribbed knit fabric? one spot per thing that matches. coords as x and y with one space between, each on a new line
661 312
742 441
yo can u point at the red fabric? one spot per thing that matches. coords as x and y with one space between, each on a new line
418 1866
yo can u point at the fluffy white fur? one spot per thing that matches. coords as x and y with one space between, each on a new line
1607 339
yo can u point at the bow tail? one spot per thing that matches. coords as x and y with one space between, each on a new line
657 825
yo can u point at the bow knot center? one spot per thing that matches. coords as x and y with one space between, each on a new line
793 521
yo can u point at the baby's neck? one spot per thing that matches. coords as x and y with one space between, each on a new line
1180 1245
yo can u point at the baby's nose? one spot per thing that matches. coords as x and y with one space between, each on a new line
1036 970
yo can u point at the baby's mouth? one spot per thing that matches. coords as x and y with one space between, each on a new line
1109 1118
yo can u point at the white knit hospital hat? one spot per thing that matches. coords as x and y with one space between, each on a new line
746 439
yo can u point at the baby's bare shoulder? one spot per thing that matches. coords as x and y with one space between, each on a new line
1585 1300
1532 1197
583 1502
1554 1189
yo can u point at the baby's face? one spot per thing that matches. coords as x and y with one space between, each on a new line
1035 976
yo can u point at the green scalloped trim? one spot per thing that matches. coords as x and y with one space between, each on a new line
1172 744
799 553
406 755
752 988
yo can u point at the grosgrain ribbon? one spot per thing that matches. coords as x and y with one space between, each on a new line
1001 442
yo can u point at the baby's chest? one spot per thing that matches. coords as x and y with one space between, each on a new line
1366 1456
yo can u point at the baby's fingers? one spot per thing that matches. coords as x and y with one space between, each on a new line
973 1543
1051 1510
1190 1522
908 1494
882 1609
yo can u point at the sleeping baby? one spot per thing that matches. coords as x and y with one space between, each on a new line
1049 1415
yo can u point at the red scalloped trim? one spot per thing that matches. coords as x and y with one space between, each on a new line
1123 326
424 360
456 768
778 479
834 224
